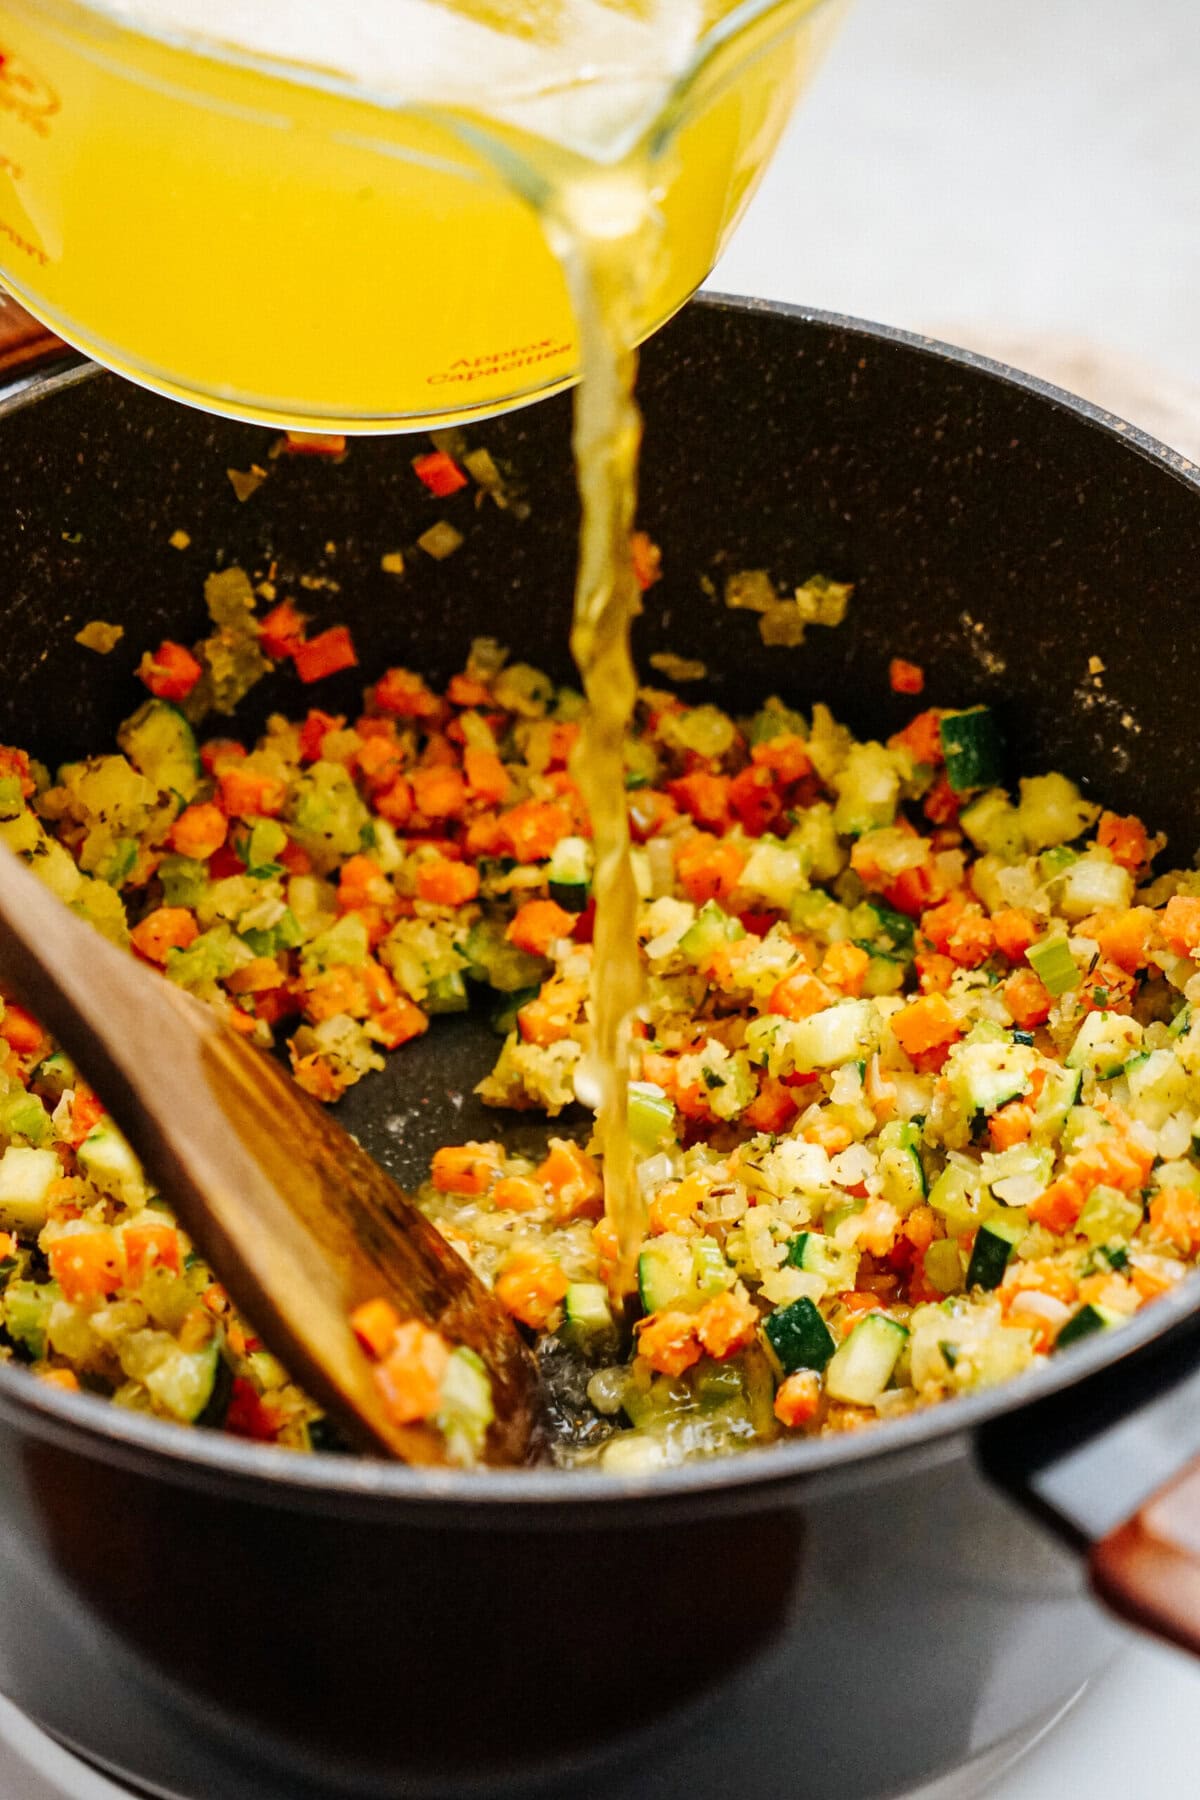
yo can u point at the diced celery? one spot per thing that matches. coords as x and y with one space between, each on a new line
345 943
651 1116
1054 966
23 1115
1053 811
183 879
466 1408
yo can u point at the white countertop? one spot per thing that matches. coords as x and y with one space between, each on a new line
990 170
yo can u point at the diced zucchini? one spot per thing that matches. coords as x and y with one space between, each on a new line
184 880
25 1307
651 1117
972 747
26 1177
1158 1085
894 929
903 1177
108 1162
448 994
665 1270
820 1255
501 964
587 1316
1091 884
183 1382
1103 1044
1108 1214
868 788
840 1034
995 1242
570 873
776 873
1060 1092
1083 1323
711 927
798 1337
862 1367
161 745
984 1076
504 1015
993 825
54 1075
943 1266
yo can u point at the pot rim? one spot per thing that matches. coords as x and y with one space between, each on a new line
92 1424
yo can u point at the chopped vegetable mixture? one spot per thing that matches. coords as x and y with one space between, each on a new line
916 1086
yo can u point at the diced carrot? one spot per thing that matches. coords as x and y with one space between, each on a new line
337 990
726 1324
754 800
87 1264
15 765
170 672
438 793
1124 937
918 1227
467 690
1175 1219
1026 999
1014 930
1011 1125
439 472
573 1180
786 756
667 1341
844 966
798 1399
331 444
799 995
404 695
218 753
772 1109
1149 1283
518 1193
1059 1205
857 1303
530 1286
941 804
934 973
1125 839
446 883
326 654
1180 924
314 1073
647 559
538 924
466 1168
149 1247
361 882
925 1024
674 1207
21 1031
168 928
922 738
409 1378
704 796
395 1024
250 793
905 677
375 1324
487 778
257 977
87 1109
282 630
530 830
313 730
395 804
66 1379
972 940
709 868
545 1021
199 831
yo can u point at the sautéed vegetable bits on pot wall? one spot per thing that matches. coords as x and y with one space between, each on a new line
915 1087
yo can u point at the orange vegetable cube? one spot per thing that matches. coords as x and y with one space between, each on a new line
925 1024
466 1168
447 883
726 1324
573 1180
409 1378
530 1287
668 1342
798 1399
168 928
375 1324
538 924
87 1265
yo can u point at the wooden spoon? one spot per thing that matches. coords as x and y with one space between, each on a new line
298 1221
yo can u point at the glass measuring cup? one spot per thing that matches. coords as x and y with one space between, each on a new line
282 243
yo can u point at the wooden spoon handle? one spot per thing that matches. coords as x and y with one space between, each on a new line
1148 1569
299 1222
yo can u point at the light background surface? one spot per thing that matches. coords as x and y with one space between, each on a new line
993 171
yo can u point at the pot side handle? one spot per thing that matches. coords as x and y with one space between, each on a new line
1148 1569
24 341
1112 1464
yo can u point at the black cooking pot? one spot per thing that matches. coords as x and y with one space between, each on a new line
849 1616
